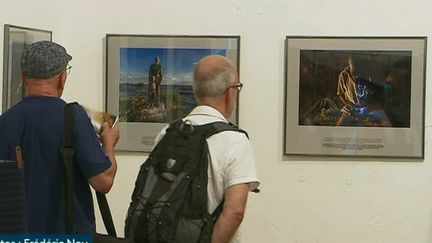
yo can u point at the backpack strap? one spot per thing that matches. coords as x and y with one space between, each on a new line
211 129
208 129
217 211
216 127
68 154
68 157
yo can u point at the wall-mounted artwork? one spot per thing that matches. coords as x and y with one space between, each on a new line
355 96
16 39
149 81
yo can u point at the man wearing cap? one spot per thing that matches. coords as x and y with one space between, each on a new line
36 124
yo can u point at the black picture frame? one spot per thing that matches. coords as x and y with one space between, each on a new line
16 39
128 61
381 114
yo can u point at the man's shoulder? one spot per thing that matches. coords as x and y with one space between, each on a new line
8 113
77 107
232 137
78 110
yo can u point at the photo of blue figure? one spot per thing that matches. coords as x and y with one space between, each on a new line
156 83
369 112
355 88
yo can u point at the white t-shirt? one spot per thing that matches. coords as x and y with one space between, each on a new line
232 161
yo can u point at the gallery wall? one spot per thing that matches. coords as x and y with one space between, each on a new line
302 199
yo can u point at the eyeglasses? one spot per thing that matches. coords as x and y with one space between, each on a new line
68 69
238 86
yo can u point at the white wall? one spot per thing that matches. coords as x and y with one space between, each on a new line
303 200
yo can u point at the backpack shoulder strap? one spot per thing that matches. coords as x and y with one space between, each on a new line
68 156
211 129
208 130
68 129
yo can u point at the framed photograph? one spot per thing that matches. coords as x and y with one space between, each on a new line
149 81
16 39
355 96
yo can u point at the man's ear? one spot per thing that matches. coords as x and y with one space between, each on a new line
227 97
230 98
62 81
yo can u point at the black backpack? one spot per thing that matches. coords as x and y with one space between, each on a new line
169 201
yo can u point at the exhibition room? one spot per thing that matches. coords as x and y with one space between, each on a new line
333 96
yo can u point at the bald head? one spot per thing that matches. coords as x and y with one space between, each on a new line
212 76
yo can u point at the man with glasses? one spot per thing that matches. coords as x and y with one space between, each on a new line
36 126
231 169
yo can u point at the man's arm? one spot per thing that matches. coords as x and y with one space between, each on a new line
232 213
103 182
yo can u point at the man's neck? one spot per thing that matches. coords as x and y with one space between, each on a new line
42 88
218 105
49 94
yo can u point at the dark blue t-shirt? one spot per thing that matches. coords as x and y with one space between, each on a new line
37 124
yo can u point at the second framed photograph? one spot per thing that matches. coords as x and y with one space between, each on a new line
149 81
16 39
355 96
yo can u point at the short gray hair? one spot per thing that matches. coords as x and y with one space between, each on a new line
213 79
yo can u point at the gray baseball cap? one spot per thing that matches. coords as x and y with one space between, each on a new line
44 59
